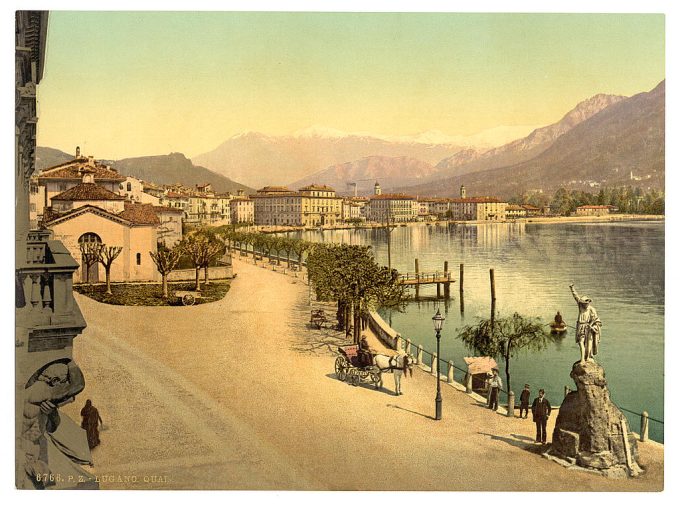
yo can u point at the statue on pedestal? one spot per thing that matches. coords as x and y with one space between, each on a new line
588 327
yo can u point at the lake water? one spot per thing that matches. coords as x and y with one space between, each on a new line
620 266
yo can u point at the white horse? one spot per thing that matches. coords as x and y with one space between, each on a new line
399 364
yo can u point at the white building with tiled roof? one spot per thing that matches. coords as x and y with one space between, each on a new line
310 206
60 178
135 231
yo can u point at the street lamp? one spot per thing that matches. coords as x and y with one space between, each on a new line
438 321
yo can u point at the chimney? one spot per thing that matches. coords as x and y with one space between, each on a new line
88 176
77 151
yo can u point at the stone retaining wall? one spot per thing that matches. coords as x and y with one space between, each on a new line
190 274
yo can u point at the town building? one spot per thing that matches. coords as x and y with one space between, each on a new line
592 210
477 208
310 206
134 229
353 209
62 177
532 211
87 193
47 316
134 191
391 208
513 211
169 230
242 209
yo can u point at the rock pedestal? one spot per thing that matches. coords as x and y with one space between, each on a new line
591 432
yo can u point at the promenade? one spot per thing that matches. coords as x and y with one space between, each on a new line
241 394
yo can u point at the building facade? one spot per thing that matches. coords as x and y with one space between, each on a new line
242 210
47 317
391 208
310 206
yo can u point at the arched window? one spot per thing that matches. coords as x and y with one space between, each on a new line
89 237
139 259
129 187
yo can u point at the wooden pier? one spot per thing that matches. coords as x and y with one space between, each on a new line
418 278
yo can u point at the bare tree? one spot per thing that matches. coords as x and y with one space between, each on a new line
201 248
106 255
165 260
90 254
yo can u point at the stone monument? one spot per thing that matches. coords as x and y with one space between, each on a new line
591 432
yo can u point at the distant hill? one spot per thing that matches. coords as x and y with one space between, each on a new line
527 147
48 157
162 169
390 172
260 160
626 137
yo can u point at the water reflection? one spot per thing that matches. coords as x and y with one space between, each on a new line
620 266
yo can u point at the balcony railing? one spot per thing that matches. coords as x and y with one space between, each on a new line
44 288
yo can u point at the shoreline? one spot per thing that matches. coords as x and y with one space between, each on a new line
272 229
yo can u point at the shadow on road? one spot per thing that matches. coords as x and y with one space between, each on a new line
412 411
519 441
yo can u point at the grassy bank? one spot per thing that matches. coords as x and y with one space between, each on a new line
151 294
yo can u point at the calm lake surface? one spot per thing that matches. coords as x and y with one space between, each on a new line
620 266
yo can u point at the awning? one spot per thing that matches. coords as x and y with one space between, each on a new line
478 365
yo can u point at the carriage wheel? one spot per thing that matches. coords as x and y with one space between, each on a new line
340 370
375 378
188 300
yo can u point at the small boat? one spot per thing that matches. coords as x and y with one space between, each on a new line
556 328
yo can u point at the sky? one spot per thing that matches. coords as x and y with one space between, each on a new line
122 84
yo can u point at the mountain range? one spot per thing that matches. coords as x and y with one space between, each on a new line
621 144
606 140
163 169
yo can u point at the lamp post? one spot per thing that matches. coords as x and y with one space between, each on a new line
438 321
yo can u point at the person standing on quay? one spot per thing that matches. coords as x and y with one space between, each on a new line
524 401
90 424
495 385
541 411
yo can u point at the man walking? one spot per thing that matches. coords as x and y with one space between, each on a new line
524 401
495 385
541 411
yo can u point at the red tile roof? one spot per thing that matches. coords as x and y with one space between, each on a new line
476 199
140 214
88 192
314 186
73 171
274 189
391 197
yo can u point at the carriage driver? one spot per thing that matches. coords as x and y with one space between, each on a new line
365 351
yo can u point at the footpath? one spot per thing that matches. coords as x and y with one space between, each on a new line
242 394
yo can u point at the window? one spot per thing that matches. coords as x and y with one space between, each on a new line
129 187
89 237
139 259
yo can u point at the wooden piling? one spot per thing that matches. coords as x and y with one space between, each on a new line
644 426
417 284
461 289
492 281
439 290
447 285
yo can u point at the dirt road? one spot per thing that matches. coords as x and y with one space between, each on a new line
241 394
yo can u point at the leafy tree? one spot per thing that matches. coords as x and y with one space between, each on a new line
165 260
509 336
106 255
349 275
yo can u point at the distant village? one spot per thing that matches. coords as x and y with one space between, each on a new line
83 201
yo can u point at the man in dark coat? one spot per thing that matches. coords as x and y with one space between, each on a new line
524 401
90 423
541 411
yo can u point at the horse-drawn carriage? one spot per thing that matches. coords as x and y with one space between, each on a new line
352 366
